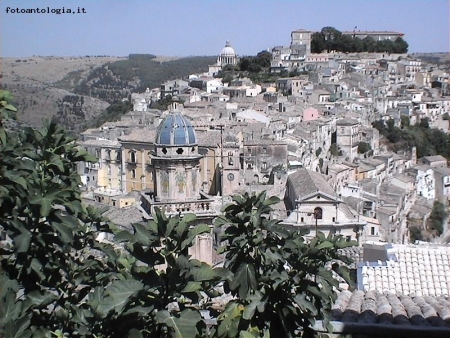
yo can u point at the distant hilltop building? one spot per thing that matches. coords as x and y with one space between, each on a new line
226 57
302 37
376 35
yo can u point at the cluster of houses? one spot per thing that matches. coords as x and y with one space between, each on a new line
298 138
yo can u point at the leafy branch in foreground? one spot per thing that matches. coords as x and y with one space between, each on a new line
281 282
50 259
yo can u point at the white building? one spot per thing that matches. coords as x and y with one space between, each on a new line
312 203
348 137
425 182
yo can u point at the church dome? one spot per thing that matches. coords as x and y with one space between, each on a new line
176 130
228 50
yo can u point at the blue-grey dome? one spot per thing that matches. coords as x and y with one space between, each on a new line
176 130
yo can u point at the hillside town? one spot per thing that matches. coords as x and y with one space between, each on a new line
307 139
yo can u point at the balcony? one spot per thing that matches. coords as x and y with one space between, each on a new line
132 162
199 207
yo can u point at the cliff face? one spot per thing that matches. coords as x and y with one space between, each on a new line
43 88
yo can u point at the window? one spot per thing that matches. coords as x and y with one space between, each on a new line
230 158
264 150
301 219
133 157
264 165
318 213
372 231
133 173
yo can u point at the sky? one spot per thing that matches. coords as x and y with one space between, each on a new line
201 27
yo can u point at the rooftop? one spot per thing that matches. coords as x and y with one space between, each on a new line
371 311
412 270
306 182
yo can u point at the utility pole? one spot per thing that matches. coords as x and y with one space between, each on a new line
221 126
221 161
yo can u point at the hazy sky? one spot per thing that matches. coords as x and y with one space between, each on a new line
201 27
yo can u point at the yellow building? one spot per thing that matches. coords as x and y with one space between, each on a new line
137 149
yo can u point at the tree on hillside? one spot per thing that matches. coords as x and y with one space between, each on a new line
437 217
405 121
400 45
317 42
363 147
332 38
264 58
369 44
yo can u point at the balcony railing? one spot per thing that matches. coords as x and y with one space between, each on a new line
204 207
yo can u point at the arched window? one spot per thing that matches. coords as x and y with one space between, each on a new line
133 157
318 213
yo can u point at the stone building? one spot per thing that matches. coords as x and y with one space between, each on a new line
106 173
313 204
348 136
302 37
137 148
261 157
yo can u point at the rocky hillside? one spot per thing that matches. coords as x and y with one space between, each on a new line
74 90
42 91
115 80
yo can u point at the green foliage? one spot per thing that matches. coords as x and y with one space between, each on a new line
281 282
264 58
116 80
157 271
405 121
7 110
363 147
113 113
437 217
255 64
425 123
428 141
415 234
334 150
48 265
318 151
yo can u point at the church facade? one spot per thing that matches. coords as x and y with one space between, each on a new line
226 57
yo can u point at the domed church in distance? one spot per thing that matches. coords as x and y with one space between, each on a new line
226 57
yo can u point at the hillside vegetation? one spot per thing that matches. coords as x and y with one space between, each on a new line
116 80
74 90
428 141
